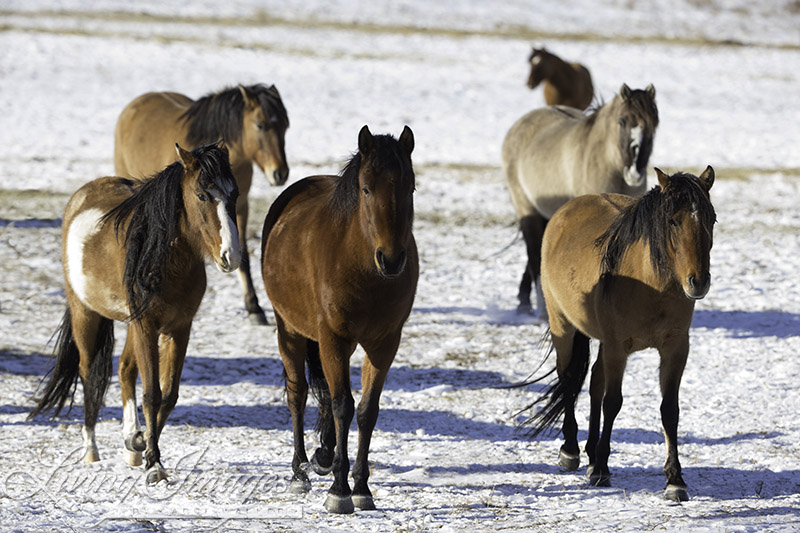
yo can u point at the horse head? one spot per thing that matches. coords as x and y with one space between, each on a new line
540 66
690 219
264 125
209 198
638 119
386 204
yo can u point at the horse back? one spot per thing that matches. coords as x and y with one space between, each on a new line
146 133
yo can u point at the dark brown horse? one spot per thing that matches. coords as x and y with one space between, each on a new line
340 267
252 122
626 272
565 83
134 251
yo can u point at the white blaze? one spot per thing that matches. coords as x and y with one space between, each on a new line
83 226
229 235
632 175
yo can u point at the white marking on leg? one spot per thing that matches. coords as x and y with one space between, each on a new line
130 419
82 227
90 453
230 248
632 175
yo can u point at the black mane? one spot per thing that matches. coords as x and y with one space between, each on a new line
155 209
387 157
649 220
219 115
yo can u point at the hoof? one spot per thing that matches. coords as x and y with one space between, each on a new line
676 494
299 486
568 461
363 502
318 468
135 442
339 504
91 455
525 309
156 474
132 458
599 480
257 318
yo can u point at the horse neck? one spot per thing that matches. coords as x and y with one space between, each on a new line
602 136
561 74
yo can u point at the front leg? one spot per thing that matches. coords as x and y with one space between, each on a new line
244 177
673 361
614 360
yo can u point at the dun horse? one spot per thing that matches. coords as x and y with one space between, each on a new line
565 83
626 272
340 267
133 250
554 154
252 122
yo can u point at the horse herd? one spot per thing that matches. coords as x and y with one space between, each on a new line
340 264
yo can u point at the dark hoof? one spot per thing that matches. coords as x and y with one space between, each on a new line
319 468
525 309
135 442
364 502
339 504
156 474
258 318
568 461
299 485
599 480
676 494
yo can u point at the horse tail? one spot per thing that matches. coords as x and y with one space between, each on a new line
64 373
564 391
319 388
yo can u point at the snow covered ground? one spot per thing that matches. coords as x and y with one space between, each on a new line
446 454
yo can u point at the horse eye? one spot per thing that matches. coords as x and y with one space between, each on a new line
366 191
202 197
672 222
262 126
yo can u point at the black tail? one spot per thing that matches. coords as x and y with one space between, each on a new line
319 388
64 374
564 391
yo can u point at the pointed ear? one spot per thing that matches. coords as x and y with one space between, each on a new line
707 178
407 140
186 157
625 92
651 91
663 179
274 92
249 101
365 141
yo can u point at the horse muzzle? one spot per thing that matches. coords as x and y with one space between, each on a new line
697 288
229 261
390 267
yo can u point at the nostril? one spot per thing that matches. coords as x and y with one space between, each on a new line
691 281
381 259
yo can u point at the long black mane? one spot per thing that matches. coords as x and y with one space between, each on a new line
649 220
155 209
219 115
387 157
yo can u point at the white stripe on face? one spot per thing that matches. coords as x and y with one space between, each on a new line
632 176
230 247
82 227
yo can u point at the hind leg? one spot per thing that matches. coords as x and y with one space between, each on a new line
292 348
532 227
254 311
614 360
572 355
86 326
131 430
322 461
596 393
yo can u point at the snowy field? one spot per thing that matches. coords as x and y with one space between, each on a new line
446 454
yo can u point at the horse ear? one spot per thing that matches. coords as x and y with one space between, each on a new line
625 91
651 91
365 141
186 157
663 179
407 140
274 92
249 101
707 178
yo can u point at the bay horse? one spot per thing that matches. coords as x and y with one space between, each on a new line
134 251
251 120
554 154
565 83
627 272
340 267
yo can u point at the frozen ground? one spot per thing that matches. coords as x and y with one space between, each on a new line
446 455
